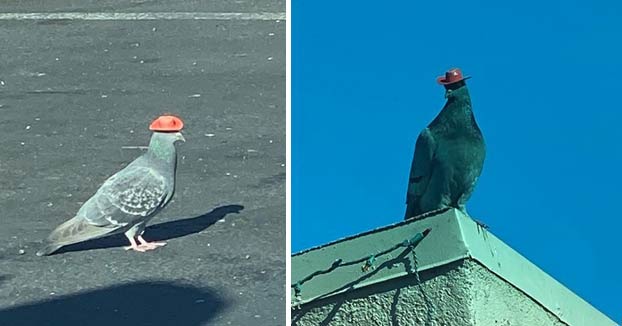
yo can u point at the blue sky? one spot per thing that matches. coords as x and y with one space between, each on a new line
546 94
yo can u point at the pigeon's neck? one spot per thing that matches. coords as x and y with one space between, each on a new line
162 149
457 114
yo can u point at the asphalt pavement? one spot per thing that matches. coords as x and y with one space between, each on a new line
76 99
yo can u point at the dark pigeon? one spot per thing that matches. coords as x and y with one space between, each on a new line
126 201
449 154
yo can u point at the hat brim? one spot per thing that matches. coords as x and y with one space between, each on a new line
441 80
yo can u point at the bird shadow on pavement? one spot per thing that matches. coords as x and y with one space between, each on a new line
4 278
162 231
140 303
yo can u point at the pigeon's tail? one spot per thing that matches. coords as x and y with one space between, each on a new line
49 249
73 231
412 210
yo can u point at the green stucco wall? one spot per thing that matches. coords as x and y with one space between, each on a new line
461 293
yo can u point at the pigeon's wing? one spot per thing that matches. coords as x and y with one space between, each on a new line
420 170
126 198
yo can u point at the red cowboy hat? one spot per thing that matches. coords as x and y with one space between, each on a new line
453 75
166 123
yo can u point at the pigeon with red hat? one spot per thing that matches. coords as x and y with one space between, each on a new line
449 153
130 198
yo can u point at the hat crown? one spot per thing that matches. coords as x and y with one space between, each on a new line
166 123
453 75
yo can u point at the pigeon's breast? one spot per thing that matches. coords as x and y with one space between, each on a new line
461 161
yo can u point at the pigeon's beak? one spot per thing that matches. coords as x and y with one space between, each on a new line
181 137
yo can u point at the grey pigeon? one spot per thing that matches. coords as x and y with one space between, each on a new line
128 199
449 154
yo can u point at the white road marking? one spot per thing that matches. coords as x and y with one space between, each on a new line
143 16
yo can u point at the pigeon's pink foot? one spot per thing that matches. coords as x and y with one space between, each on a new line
149 245
135 246
144 244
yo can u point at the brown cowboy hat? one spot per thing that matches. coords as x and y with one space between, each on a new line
453 75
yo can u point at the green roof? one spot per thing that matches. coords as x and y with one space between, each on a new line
453 237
